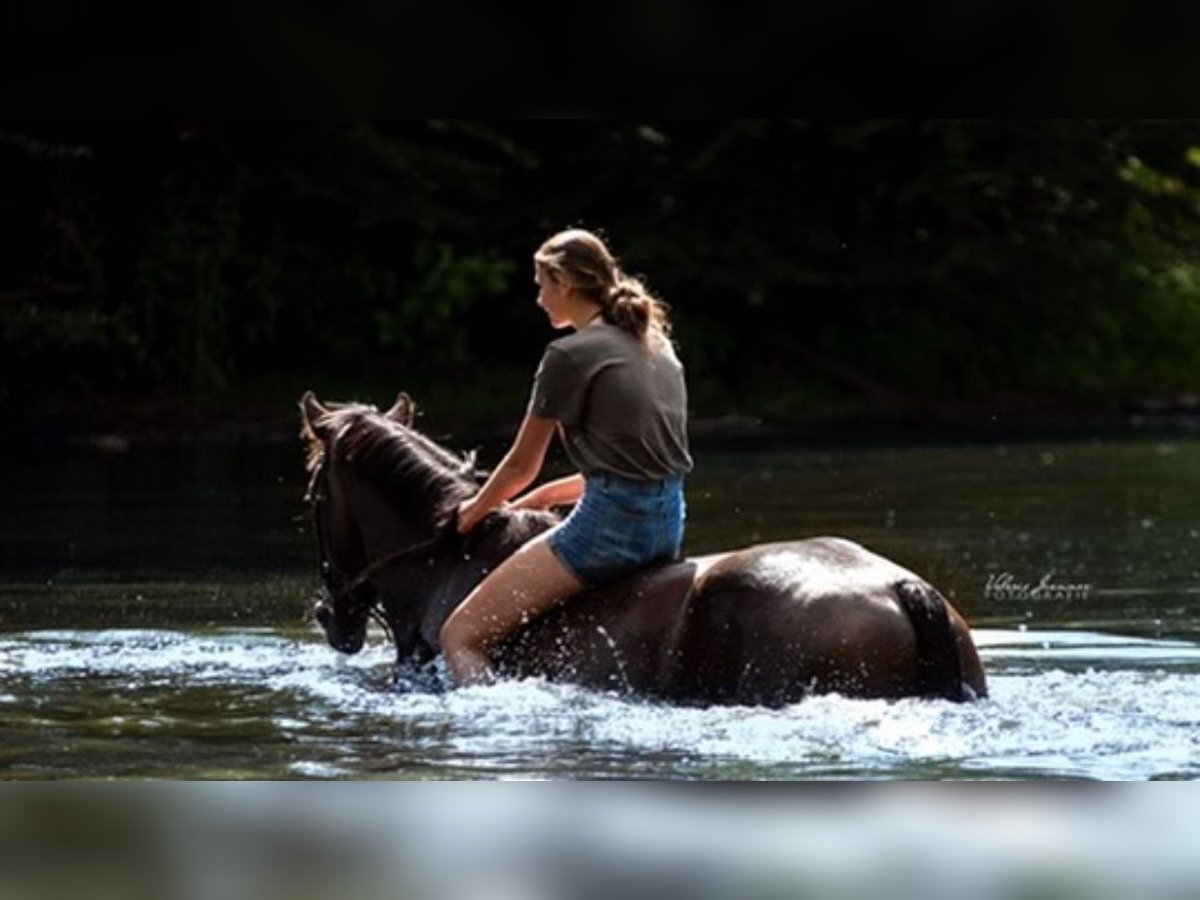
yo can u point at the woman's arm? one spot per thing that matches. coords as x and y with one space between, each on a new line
561 491
518 468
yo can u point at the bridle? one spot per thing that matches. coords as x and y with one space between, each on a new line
342 589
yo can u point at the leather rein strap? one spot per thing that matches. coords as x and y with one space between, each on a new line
347 586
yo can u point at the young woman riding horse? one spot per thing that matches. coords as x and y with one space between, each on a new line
761 624
614 390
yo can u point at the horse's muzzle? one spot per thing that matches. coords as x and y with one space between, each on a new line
341 635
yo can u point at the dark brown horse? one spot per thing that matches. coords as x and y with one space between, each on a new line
767 624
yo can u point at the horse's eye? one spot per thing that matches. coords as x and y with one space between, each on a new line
323 615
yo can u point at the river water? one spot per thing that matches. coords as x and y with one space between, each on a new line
152 624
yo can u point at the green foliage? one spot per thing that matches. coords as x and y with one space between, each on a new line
434 311
183 278
951 258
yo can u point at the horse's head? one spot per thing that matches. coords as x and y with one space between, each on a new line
378 488
342 609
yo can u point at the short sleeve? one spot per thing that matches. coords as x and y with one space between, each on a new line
556 387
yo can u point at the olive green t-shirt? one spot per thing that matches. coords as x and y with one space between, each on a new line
622 403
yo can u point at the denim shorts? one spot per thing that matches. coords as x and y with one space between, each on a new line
619 525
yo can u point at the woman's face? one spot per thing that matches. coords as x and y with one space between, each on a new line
552 297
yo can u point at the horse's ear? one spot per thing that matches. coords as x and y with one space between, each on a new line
311 410
403 410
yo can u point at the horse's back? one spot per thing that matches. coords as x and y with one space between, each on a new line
766 624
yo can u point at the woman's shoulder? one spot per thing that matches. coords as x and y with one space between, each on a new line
606 342
598 336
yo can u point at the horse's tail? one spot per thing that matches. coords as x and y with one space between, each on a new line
939 664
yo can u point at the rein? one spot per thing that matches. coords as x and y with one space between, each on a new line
398 556
347 586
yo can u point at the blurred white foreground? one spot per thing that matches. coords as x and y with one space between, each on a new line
497 841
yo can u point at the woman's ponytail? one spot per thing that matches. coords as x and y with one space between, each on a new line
583 261
631 307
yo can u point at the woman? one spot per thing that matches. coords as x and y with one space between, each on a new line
614 390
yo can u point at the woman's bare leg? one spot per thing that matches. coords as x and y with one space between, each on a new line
528 584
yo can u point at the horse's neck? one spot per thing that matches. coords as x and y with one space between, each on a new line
510 531
455 572
382 527
422 592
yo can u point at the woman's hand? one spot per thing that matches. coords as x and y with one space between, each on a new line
470 514
561 492
535 499
518 468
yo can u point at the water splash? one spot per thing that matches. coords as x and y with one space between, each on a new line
1062 703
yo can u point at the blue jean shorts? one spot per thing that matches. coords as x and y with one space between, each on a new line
619 525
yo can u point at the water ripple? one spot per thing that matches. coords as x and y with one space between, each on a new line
1073 704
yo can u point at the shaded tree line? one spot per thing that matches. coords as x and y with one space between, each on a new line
900 260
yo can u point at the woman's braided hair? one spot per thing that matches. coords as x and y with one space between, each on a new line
582 260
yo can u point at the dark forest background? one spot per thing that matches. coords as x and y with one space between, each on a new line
926 270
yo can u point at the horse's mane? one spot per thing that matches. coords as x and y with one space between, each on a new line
409 469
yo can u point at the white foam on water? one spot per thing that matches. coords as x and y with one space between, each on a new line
1091 725
313 769
146 652
1133 719
1122 724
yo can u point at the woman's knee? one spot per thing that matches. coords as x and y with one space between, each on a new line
460 631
